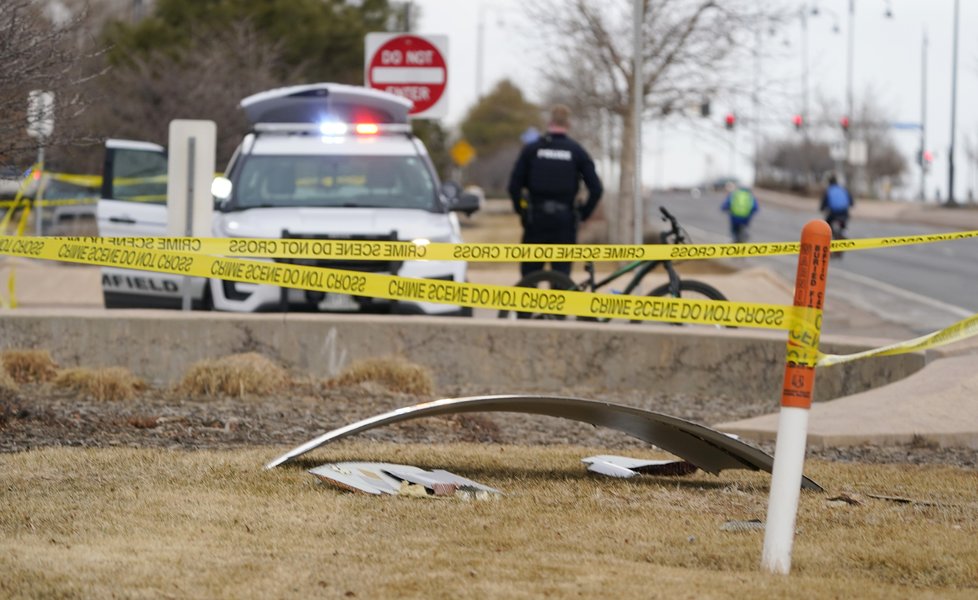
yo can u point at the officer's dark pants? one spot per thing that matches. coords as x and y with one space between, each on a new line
564 231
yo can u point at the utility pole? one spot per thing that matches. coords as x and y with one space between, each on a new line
638 210
479 41
849 62
954 108
923 118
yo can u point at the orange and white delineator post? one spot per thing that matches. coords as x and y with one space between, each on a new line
796 399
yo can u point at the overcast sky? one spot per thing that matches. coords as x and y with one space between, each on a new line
887 65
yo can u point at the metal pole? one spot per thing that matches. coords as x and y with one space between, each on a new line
923 118
480 35
954 108
849 103
186 301
639 213
755 112
38 209
804 68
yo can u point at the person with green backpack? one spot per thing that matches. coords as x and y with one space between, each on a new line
742 206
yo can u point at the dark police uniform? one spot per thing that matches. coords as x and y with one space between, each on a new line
551 169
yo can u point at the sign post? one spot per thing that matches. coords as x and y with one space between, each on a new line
40 126
190 170
411 66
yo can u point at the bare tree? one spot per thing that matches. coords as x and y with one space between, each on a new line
206 79
39 52
688 49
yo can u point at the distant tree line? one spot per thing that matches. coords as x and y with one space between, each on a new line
119 76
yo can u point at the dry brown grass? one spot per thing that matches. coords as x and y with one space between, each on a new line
156 523
110 383
238 375
393 372
8 387
29 366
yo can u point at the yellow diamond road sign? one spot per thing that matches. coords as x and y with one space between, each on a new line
462 153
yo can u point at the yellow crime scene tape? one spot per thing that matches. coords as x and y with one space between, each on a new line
961 330
423 250
18 201
194 257
97 251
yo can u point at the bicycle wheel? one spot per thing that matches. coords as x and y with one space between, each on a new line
690 289
551 280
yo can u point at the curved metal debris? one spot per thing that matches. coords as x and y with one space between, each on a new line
701 446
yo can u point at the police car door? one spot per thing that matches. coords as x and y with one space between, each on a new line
133 203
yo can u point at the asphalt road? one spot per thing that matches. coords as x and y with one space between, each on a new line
926 286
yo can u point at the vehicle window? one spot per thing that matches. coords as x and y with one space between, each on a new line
139 176
352 181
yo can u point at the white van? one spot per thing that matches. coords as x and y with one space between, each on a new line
323 161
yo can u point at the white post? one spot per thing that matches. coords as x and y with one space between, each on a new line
789 452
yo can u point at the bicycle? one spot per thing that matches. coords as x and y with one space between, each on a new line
838 223
676 287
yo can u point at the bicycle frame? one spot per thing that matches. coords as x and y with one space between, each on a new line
641 268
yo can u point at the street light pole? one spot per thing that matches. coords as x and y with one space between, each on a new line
479 37
849 115
954 108
638 210
923 118
804 67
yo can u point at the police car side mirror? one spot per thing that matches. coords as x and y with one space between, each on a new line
466 203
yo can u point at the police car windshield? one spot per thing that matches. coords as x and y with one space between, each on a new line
328 181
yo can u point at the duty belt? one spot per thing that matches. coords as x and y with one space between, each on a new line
551 207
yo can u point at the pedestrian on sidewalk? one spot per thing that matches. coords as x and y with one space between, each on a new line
742 205
550 170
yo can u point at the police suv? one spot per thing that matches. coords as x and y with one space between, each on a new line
322 161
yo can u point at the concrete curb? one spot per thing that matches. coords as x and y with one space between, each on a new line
512 357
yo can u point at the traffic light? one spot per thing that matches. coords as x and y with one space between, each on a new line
799 121
730 120
928 159
844 123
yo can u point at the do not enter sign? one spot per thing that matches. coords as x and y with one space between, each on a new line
410 66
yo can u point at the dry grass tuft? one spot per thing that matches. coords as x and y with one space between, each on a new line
8 389
238 375
110 383
29 366
393 372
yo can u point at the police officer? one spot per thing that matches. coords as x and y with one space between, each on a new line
550 169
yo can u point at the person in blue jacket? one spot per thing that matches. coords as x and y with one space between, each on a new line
550 170
836 203
742 205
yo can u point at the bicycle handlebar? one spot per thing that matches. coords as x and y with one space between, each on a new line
676 233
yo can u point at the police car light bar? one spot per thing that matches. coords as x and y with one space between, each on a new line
333 128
